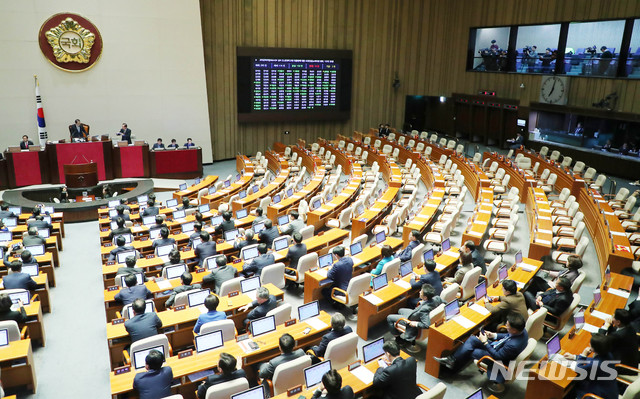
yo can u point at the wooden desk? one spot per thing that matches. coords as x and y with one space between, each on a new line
280 166
56 231
22 375
540 225
243 163
34 323
42 290
192 191
425 216
479 222
45 265
565 178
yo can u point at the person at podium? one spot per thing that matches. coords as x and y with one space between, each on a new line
125 132
78 131
25 143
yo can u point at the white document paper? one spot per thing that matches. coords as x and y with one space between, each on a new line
590 328
323 272
316 323
356 260
439 267
251 294
479 309
600 315
620 293
545 242
464 322
363 374
373 299
164 284
527 267
451 253
519 284
403 284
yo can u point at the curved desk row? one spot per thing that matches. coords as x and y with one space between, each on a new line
223 194
280 168
192 191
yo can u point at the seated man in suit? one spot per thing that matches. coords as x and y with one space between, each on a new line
186 204
78 130
151 209
189 143
556 301
19 316
431 277
40 223
295 252
512 301
398 379
623 338
340 273
259 218
25 143
120 214
598 369
5 212
142 325
119 230
269 233
261 306
158 145
255 265
239 243
125 132
226 225
517 142
174 144
164 239
295 225
331 387
197 229
338 329
121 247
469 247
206 248
186 278
130 268
225 372
156 382
220 274
132 291
18 280
419 318
211 303
32 237
287 343
414 241
502 347
159 223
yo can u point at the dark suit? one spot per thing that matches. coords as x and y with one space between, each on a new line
24 146
293 227
215 379
605 388
151 211
19 316
179 289
258 219
243 243
130 270
124 217
419 314
320 349
205 250
33 240
345 393
154 384
219 275
294 254
114 252
19 281
173 146
156 146
162 241
259 311
6 214
78 132
256 265
226 225
268 235
478 260
268 369
143 326
189 145
119 232
624 344
340 273
556 302
129 294
126 135
405 254
398 380
40 224
432 278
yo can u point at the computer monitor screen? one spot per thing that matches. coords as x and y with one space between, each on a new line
446 245
16 210
139 279
47 209
553 345
114 225
44 233
308 310
36 250
578 319
164 250
10 222
255 189
197 181
299 186
30 269
47 219
289 192
503 273
280 243
476 395
182 187
242 194
596 297
212 190
406 268
451 309
216 220
175 271
121 257
113 204
355 249
179 214
113 213
258 227
263 325
195 242
276 198
481 290
197 298
142 198
148 220
316 204
4 337
241 213
154 232
250 284
203 208
239 176
252 393
325 260
380 281
128 238
313 374
140 356
230 235
282 220
148 308
208 341
24 296
171 203
227 183
360 209
428 255
329 197
6 236
188 227
380 237
249 253
373 350
518 257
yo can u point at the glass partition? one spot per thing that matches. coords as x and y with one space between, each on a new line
532 45
593 48
490 51
633 62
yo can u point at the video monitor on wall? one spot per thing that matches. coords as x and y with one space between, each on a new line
490 49
293 84
593 48
535 45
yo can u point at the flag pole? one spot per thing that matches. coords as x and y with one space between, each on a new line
42 128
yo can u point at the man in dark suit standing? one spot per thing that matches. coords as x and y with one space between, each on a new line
340 273
142 325
261 306
398 379
156 382
338 329
132 291
25 143
78 130
18 280
269 233
225 372
255 265
414 241
623 338
206 248
287 343
419 317
125 132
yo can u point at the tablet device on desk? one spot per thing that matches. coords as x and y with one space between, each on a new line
276 198
355 249
4 337
208 341
242 213
148 308
252 393
196 242
380 237
373 350
140 356
451 309
280 243
446 245
299 186
360 210
113 213
24 296
212 190
36 250
553 345
121 257
607 276
188 227
175 271
148 220
142 199
313 374
481 290
325 260
30 269
203 208
45 233
216 220
316 204
197 298
171 203
282 220
230 235
249 284
114 225
239 176
380 281
406 268
503 273
164 250
128 238
578 318
255 189
139 279
597 296
154 233
47 209
427 255
179 214
182 187
6 236
263 325
249 253
10 222
227 183
308 310
197 181
113 204
518 257
16 210
329 197
242 194
258 227
476 395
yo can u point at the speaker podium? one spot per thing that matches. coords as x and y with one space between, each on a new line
81 174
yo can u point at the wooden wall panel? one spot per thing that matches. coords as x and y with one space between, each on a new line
424 41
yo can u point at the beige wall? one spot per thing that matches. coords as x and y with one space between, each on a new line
424 41
151 73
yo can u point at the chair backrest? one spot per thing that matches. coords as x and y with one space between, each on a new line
376 144
424 135
545 174
436 392
632 391
510 153
589 173
630 204
273 274
544 151
492 270
314 147
230 286
493 167
427 152
290 374
582 246
420 147
367 140
450 293
451 144
564 317
305 263
469 282
392 136
523 356
307 232
226 389
578 167
345 217
386 149
577 283
282 313
433 138
342 351
362 239
416 255
566 161
600 180
358 150
12 328
535 324
227 326
401 140
555 155
552 180
391 268
151 342
357 285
